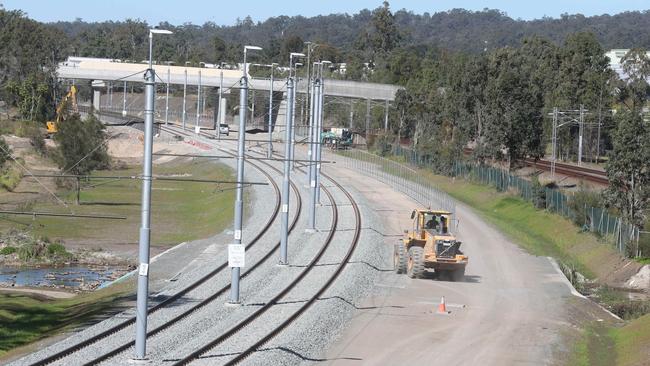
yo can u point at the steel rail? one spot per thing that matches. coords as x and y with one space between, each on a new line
112 330
276 331
210 298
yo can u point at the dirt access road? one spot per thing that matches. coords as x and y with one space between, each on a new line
512 309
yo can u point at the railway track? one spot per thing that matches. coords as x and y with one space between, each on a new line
589 174
195 355
60 355
570 170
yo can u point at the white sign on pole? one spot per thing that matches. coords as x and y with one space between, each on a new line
197 129
144 269
236 255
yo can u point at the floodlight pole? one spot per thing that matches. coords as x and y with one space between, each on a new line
145 230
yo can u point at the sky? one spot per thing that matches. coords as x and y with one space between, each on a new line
226 12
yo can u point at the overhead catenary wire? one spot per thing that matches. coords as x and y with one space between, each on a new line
171 179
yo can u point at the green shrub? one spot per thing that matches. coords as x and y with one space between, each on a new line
5 151
30 251
539 193
57 251
580 202
10 178
7 250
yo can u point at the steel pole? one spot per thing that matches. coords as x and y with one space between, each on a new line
145 230
285 181
386 117
124 101
239 199
293 122
310 148
220 111
184 97
167 96
580 132
319 129
270 147
198 102
312 157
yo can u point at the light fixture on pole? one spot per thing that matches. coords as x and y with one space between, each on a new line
236 250
145 228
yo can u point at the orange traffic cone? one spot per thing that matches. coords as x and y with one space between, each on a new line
442 307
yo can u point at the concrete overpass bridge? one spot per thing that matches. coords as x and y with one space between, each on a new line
104 72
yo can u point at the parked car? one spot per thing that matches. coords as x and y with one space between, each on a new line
224 129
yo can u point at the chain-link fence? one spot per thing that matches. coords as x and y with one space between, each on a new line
398 176
624 236
594 219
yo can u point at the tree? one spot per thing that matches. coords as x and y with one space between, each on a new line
514 120
81 145
628 168
220 49
381 35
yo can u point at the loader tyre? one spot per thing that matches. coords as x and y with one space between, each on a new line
458 275
399 258
415 264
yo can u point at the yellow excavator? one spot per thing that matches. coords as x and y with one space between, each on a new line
430 245
68 101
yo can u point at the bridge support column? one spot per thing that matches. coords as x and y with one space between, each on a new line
97 85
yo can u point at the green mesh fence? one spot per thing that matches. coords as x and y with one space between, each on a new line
624 236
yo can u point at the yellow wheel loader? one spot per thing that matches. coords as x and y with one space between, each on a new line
430 245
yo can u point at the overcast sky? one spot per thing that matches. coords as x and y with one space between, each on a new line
226 12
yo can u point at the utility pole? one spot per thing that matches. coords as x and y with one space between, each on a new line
269 153
319 129
239 198
554 142
124 100
386 117
367 121
293 120
315 104
581 128
218 128
351 114
312 128
145 225
286 176
167 96
198 102
184 96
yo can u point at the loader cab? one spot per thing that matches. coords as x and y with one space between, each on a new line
434 223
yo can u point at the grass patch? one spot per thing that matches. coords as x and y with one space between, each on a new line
622 346
181 211
539 232
25 318
11 176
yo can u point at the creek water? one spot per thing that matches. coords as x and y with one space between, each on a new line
68 276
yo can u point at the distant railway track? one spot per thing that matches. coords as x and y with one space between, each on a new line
569 170
60 355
